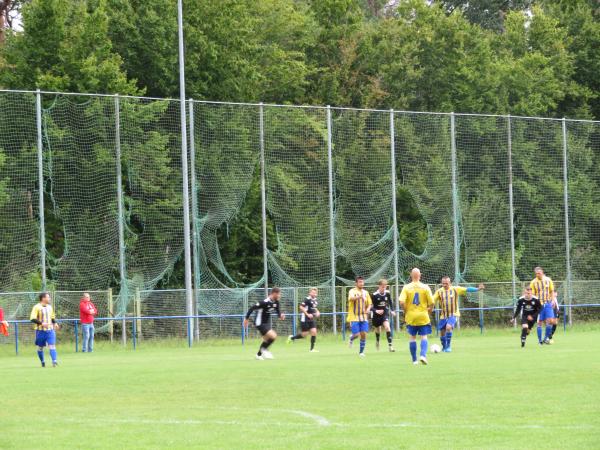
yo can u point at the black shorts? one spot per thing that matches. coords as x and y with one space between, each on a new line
530 323
378 320
307 325
264 328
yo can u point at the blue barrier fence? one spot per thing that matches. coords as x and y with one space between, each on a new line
131 325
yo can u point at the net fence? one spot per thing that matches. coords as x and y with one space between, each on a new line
91 196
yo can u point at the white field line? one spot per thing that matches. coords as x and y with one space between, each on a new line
324 422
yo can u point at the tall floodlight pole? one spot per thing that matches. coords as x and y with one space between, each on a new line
189 293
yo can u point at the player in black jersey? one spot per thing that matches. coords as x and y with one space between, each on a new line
529 307
264 309
308 324
382 308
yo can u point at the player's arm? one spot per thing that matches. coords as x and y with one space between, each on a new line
94 310
2 321
279 313
390 304
33 317
551 288
304 310
55 324
402 299
251 310
518 309
369 303
429 299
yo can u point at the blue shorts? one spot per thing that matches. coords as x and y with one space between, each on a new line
359 327
420 330
43 338
448 321
547 312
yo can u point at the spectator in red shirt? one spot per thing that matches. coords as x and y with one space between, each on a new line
87 312
3 323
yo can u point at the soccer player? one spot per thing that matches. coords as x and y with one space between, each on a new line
308 324
446 298
417 302
359 306
529 307
264 309
45 326
543 288
382 308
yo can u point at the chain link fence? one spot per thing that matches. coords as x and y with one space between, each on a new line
336 192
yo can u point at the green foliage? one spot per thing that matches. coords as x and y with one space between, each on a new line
518 57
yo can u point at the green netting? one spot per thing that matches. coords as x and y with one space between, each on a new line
82 137
151 163
296 167
424 169
363 182
19 227
80 163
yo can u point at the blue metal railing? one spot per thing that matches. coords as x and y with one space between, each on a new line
244 332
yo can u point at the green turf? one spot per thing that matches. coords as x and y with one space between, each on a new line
488 393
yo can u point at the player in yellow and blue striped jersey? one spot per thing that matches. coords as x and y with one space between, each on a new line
45 326
543 288
446 298
359 308
417 302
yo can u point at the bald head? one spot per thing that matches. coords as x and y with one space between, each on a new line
415 274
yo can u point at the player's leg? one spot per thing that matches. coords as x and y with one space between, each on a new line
539 330
40 342
297 336
424 346
524 333
268 338
363 330
549 310
377 334
388 334
412 342
450 324
441 326
52 347
313 339
354 332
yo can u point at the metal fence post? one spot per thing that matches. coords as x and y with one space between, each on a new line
394 215
568 292
111 314
195 224
331 212
511 211
263 196
454 199
123 291
40 158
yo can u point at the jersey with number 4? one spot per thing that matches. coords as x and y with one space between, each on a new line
417 299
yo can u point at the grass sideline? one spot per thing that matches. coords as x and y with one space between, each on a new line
488 393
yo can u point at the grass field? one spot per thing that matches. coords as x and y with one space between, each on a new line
488 393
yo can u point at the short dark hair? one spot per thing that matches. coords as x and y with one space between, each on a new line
358 278
42 295
275 290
